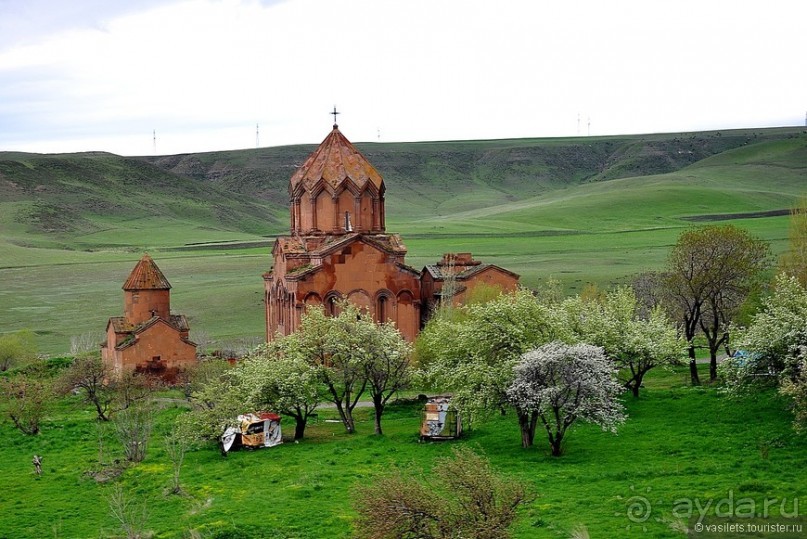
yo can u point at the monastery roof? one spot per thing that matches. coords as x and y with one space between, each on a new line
146 276
119 324
320 245
438 271
334 161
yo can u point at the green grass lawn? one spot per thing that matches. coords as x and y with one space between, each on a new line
678 443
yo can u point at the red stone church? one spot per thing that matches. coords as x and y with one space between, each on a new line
339 248
148 338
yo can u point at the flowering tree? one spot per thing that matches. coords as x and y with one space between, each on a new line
776 342
350 353
794 261
635 343
276 376
795 387
217 401
331 344
779 327
557 384
387 365
472 352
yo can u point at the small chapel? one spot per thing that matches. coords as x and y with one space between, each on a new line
338 248
148 338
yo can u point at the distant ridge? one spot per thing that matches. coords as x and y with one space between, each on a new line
81 200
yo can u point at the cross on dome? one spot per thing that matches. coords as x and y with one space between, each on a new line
334 116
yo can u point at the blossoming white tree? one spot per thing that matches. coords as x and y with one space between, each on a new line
776 342
557 384
275 376
472 352
350 353
635 343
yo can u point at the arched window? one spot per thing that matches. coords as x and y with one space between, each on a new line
383 309
332 303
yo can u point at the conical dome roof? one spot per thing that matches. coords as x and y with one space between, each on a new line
146 276
333 162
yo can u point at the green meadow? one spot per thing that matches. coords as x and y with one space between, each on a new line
679 445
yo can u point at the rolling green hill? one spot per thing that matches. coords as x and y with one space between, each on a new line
586 209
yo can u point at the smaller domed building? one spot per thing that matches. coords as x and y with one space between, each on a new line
148 338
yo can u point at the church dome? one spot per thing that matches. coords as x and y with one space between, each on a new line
146 276
333 162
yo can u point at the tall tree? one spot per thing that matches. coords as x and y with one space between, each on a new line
387 367
560 384
710 272
352 353
794 260
333 345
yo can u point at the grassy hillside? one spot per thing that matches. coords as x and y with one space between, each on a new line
97 201
442 178
593 209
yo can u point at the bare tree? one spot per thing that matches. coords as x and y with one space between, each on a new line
91 376
131 388
27 398
85 343
467 499
133 426
130 513
176 445
240 347
202 340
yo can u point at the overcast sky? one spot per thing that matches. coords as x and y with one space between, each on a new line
105 74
